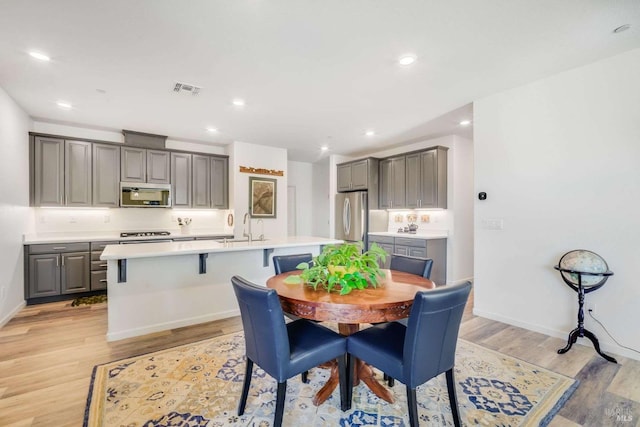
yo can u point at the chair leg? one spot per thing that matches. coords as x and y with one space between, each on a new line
280 395
305 377
245 386
345 396
412 404
453 400
349 378
390 381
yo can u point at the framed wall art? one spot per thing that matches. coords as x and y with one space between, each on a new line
262 197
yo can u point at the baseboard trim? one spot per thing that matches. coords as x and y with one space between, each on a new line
135 332
12 313
607 347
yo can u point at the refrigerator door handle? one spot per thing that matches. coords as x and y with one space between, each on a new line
346 217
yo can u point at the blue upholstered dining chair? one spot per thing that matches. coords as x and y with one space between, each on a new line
422 350
285 263
410 264
283 350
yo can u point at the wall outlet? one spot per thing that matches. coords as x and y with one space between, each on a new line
107 219
73 219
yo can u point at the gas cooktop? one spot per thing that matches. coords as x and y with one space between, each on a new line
144 233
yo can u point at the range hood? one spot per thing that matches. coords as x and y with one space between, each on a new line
144 140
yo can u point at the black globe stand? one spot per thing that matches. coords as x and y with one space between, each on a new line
580 331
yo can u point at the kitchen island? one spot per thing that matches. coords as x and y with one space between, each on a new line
153 287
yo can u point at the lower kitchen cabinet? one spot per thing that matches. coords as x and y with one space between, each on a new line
57 270
436 249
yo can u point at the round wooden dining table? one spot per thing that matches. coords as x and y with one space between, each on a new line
390 300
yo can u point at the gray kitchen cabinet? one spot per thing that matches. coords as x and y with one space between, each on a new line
77 173
426 179
158 166
98 267
143 165
74 273
360 175
436 249
106 175
344 177
386 243
181 180
57 269
201 181
413 180
392 176
220 182
48 172
133 164
44 275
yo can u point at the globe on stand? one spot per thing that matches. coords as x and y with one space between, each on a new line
583 271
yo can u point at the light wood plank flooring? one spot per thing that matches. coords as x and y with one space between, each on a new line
47 353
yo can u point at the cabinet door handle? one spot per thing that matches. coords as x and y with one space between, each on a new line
103 280
57 248
63 261
57 261
102 265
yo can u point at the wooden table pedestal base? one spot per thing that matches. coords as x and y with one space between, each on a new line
362 371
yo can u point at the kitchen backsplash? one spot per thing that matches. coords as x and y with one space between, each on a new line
49 220
425 220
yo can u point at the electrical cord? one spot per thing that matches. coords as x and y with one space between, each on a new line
611 336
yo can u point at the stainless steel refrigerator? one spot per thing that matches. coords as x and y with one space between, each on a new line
354 219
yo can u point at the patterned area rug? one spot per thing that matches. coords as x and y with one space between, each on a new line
199 384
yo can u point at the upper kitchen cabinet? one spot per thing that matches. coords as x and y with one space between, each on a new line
201 181
392 182
210 182
426 179
220 182
106 175
77 173
181 180
47 172
360 175
143 165
61 172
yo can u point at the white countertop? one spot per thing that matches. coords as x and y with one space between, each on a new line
150 250
88 236
425 235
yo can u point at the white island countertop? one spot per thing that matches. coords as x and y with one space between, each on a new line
150 250
425 235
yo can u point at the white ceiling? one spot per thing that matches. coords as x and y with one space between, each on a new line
312 72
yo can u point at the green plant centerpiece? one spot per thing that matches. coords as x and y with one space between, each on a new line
342 268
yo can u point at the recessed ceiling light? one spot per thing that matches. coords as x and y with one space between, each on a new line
238 102
64 105
370 133
212 130
465 122
407 59
324 148
39 56
622 28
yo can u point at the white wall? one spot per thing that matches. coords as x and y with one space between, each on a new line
558 159
15 215
259 157
301 178
322 214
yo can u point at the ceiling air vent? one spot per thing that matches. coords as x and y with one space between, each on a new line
185 87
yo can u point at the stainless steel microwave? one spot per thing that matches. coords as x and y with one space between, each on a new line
145 195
